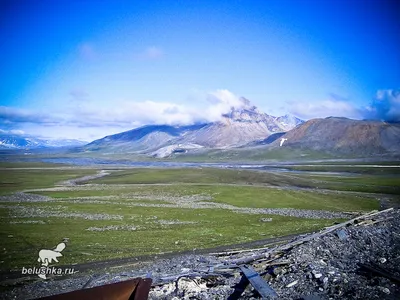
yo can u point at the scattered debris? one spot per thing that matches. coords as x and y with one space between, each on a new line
321 265
266 219
292 284
263 289
382 260
342 234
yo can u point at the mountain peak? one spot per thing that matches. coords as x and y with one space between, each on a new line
246 110
247 105
246 102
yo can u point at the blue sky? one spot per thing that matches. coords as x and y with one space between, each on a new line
85 69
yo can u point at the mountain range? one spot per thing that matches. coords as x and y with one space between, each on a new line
239 127
20 141
243 133
247 130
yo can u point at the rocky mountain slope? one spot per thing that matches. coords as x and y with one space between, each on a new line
144 139
344 136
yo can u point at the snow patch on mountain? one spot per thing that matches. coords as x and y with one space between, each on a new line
15 141
171 149
288 122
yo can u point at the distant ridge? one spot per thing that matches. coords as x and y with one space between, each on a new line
20 141
344 136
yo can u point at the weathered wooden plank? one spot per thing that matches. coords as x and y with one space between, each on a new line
258 282
375 269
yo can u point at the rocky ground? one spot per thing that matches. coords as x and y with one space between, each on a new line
333 264
326 267
192 202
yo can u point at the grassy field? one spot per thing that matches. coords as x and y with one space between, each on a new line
14 178
255 154
157 230
134 212
386 181
240 196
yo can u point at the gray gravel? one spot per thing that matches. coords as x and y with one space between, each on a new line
113 227
73 182
200 201
21 211
20 197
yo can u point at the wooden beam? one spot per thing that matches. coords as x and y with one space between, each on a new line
259 284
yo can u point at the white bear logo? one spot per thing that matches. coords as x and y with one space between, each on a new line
47 256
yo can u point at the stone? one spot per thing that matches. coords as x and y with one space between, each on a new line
385 290
292 284
323 262
316 274
185 270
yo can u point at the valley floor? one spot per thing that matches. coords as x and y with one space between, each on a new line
127 213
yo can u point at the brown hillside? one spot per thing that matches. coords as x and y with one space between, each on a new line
341 135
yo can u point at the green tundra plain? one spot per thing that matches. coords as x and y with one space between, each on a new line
132 212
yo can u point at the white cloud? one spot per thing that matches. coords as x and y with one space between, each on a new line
221 103
17 132
385 106
123 113
323 109
12 131
87 120
11 115
224 97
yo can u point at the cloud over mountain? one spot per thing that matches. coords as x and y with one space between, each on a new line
88 120
118 115
12 115
221 102
327 108
385 106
